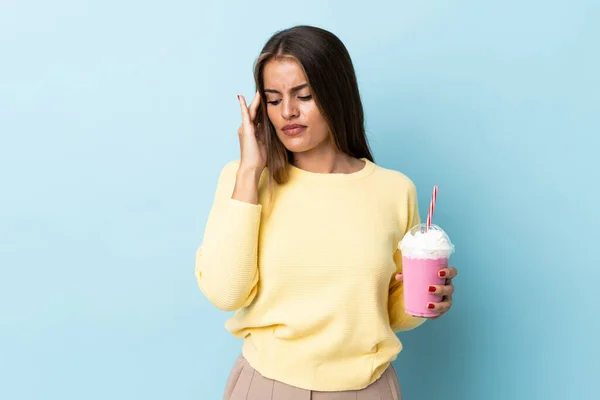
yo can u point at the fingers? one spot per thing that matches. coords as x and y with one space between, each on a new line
442 306
399 277
249 113
245 113
444 291
254 106
441 290
448 273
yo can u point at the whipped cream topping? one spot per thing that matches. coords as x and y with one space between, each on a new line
428 244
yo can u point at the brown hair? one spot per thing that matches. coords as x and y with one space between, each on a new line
334 88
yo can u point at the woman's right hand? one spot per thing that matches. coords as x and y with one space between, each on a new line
253 151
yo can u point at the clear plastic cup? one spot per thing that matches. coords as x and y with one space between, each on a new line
425 251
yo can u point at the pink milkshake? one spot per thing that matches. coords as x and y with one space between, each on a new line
424 252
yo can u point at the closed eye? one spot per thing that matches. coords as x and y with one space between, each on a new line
302 98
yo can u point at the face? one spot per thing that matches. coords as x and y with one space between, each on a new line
292 109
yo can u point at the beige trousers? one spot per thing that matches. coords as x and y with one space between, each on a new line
245 383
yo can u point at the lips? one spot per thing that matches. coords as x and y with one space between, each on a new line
293 129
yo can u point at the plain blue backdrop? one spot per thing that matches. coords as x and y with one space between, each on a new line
116 117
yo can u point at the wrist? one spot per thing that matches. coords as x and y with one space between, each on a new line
245 173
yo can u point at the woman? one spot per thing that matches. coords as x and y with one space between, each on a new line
302 237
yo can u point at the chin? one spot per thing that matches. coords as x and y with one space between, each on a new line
297 144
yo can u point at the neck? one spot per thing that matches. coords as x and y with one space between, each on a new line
327 161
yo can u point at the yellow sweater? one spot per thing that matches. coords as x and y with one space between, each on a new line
311 275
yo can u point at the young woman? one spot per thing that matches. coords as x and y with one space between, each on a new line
302 237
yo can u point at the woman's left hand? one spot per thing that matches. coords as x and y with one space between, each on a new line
445 291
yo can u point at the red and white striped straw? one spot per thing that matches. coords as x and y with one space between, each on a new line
431 206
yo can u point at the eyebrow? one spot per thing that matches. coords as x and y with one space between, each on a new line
294 89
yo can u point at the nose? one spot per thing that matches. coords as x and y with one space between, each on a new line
289 110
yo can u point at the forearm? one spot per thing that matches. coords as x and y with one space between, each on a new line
226 263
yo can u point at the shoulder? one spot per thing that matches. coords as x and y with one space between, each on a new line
228 173
226 179
400 194
228 176
396 182
230 169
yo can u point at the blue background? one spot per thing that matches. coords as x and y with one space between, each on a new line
116 117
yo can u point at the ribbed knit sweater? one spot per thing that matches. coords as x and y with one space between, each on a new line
310 273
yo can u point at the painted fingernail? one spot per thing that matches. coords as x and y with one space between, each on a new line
430 306
442 274
238 96
432 289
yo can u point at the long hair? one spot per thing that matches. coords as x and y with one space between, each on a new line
331 77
